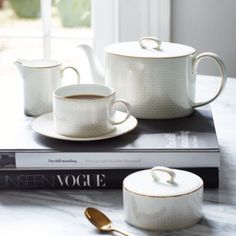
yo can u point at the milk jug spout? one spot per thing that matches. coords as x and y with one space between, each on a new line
19 64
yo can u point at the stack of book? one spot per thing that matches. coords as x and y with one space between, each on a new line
31 161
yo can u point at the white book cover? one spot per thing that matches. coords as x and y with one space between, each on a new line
184 142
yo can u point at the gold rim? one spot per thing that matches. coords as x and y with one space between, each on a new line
37 67
173 196
92 99
43 67
152 58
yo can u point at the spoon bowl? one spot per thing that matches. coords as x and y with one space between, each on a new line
98 219
101 221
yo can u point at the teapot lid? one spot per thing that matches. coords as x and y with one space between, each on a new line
162 182
149 47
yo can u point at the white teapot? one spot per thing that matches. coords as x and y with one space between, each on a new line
156 78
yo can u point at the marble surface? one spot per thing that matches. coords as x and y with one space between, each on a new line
50 213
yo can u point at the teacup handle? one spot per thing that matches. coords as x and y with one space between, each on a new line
74 69
221 66
128 109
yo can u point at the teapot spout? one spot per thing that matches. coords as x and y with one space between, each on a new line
19 64
97 71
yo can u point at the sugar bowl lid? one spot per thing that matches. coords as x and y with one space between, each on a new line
162 182
150 47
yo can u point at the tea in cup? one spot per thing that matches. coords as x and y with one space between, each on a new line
86 110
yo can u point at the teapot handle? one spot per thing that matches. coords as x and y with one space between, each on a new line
221 66
75 70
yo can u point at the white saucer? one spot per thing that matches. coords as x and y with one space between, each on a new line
44 126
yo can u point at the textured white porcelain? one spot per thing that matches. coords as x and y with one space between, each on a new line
44 125
86 117
41 77
156 78
149 48
153 202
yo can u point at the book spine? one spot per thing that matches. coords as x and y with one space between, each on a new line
83 179
112 160
7 159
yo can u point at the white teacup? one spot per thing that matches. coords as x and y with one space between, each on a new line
85 110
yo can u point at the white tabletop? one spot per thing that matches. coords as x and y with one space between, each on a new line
60 213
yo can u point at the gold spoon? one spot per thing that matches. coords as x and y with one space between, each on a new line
101 221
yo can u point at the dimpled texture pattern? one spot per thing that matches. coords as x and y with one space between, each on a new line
39 85
176 212
155 88
83 117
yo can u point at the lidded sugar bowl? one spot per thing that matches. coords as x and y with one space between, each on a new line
162 199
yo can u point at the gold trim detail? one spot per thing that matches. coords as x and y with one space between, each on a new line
42 67
90 99
173 196
145 58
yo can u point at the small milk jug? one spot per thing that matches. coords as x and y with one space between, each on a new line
40 78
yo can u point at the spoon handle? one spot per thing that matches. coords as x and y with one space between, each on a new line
118 231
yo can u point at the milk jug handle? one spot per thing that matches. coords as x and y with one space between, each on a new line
221 66
75 70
